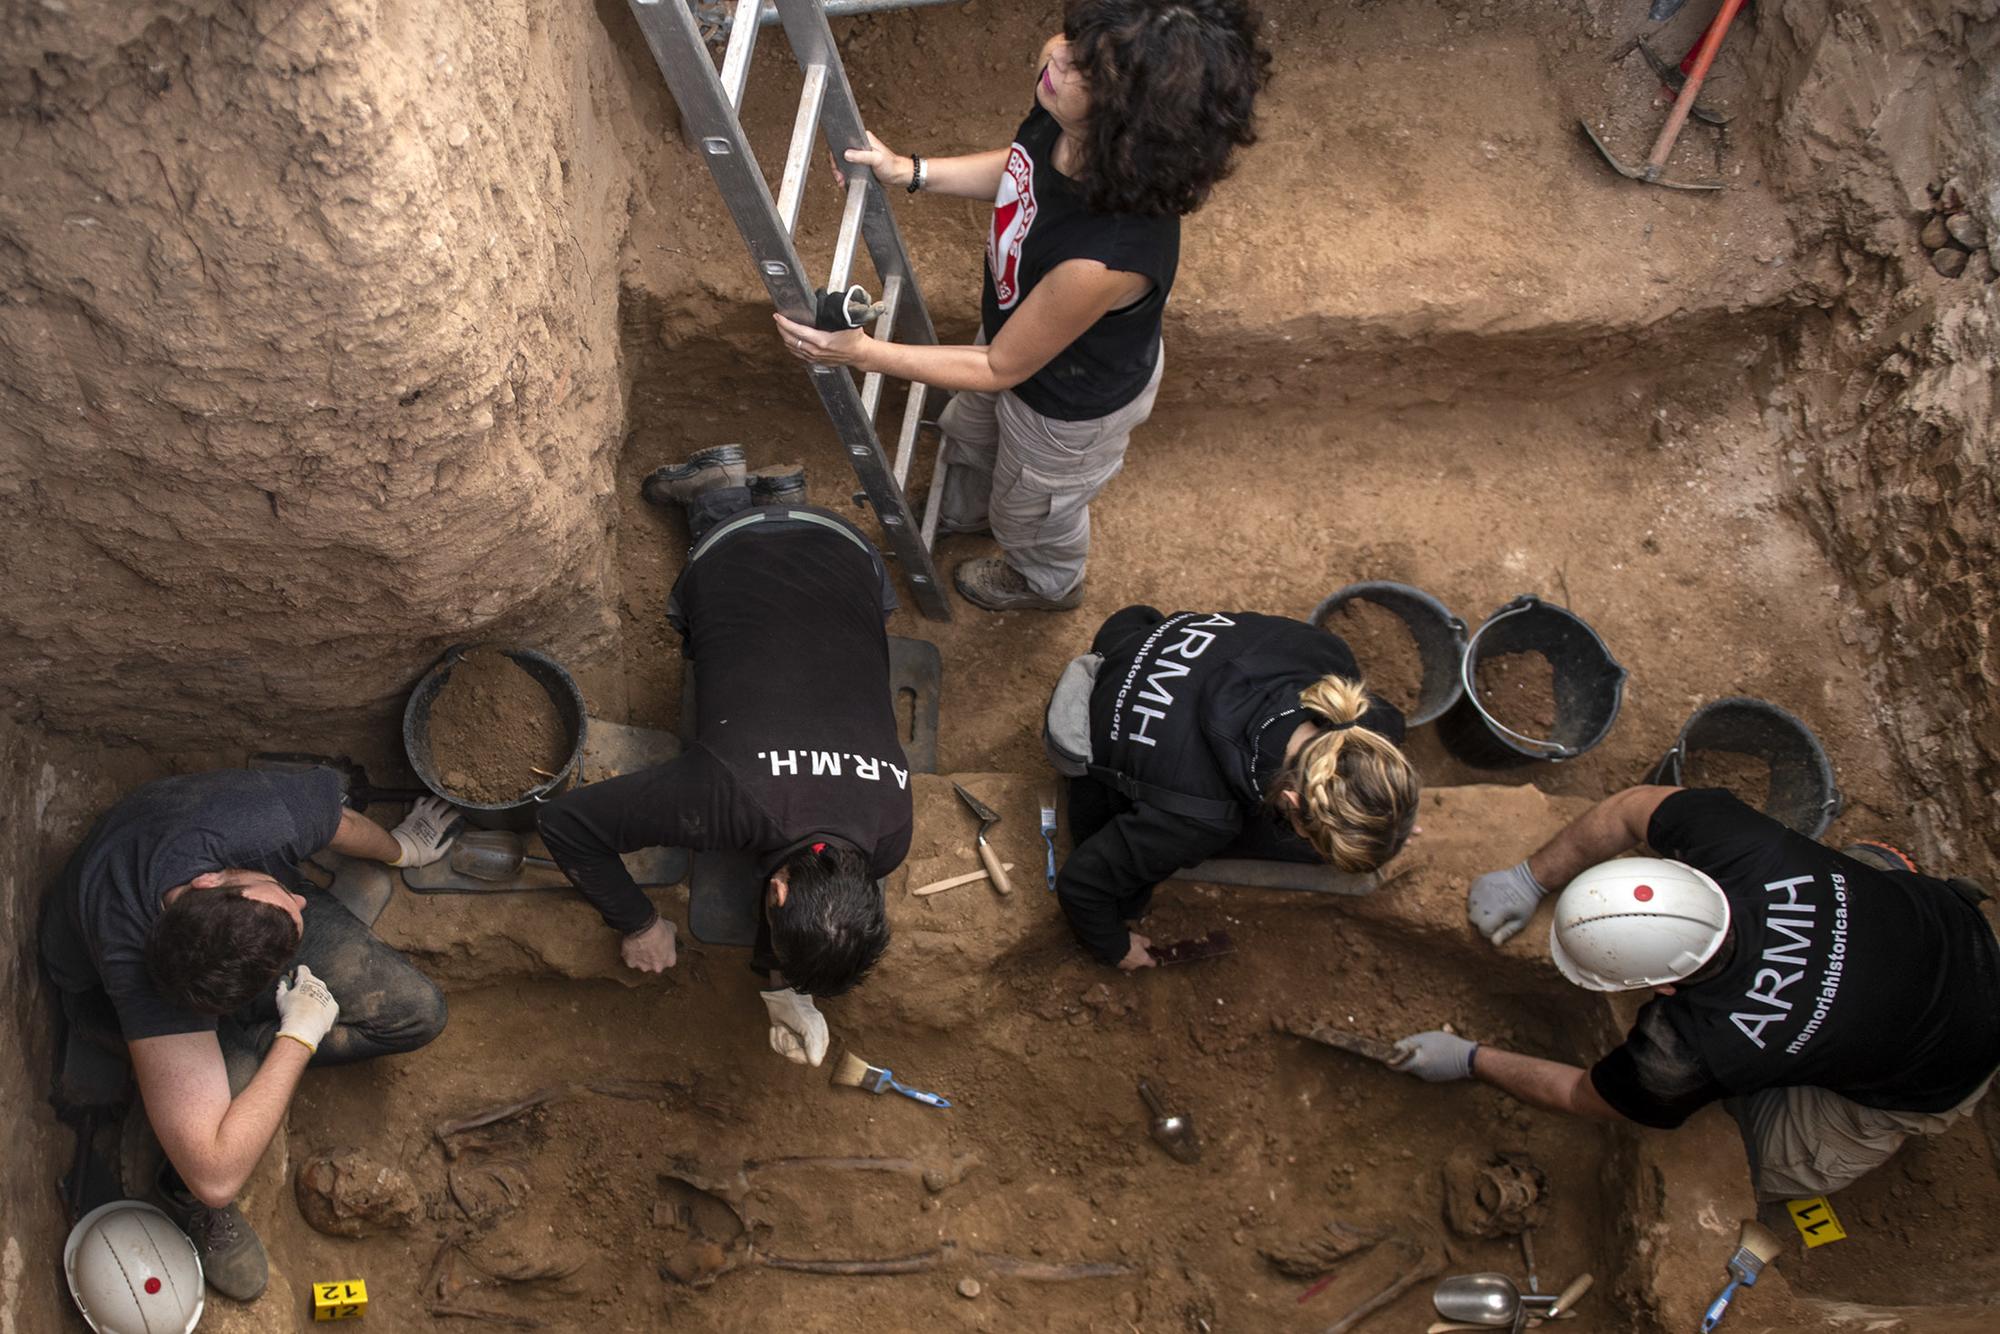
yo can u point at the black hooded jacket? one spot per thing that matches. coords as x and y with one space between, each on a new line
1202 704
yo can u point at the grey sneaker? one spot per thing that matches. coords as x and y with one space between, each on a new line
997 586
678 483
232 1258
780 484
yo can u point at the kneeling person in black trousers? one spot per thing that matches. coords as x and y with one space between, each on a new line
796 755
1209 733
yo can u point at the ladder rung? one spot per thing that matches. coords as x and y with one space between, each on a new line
906 439
798 158
736 57
885 324
850 229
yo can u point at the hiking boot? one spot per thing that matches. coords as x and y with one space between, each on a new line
997 586
780 484
1881 856
705 469
232 1259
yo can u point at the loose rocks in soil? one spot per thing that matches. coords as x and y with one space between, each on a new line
1384 647
1748 777
1519 689
492 727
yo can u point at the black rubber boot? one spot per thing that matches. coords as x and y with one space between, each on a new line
677 483
232 1258
780 484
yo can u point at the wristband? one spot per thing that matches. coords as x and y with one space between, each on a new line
310 1049
916 174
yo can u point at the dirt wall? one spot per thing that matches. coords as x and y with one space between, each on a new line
49 794
308 352
1886 399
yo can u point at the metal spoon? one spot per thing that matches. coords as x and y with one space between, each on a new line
1172 1131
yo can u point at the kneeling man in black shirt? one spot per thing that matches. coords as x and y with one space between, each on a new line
182 928
1835 1007
796 756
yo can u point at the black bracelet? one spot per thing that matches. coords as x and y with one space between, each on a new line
916 174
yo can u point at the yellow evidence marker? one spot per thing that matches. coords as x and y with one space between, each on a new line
1815 1220
340 1301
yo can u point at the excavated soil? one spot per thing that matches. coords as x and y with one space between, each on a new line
492 727
1423 334
1748 776
1519 689
1385 649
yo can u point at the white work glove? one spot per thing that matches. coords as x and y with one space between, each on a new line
306 1009
1501 902
798 1032
1436 1057
425 835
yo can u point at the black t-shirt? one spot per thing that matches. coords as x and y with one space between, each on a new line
1883 987
1040 221
165 834
797 737
1201 704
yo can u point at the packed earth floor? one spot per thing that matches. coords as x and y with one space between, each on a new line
1481 365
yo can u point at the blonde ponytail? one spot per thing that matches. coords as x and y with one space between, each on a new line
1357 793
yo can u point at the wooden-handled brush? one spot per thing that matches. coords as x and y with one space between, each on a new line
853 1072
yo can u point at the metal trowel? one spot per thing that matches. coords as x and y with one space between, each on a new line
1172 1131
492 854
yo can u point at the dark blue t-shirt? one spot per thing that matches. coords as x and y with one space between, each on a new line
162 835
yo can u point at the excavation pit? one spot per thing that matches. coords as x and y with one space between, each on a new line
381 383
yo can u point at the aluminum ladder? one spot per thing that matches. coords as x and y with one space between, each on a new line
708 102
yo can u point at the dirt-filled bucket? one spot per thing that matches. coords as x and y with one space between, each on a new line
1551 688
537 781
1438 637
1761 753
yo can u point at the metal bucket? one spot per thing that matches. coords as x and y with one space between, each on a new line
518 812
1802 794
1589 687
1440 639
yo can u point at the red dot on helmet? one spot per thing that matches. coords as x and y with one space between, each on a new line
152 1286
1643 893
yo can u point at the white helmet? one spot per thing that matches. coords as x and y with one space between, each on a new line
131 1271
1637 922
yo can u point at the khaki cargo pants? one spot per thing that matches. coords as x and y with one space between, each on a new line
1030 478
1808 1141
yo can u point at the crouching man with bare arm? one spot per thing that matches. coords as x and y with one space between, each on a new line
182 928
1835 1002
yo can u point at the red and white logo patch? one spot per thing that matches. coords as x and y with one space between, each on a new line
1013 214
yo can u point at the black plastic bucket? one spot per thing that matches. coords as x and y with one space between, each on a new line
1440 639
1589 687
519 813
1802 794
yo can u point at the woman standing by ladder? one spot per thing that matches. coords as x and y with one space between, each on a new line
1139 106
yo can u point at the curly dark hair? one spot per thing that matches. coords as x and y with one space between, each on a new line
214 951
1173 90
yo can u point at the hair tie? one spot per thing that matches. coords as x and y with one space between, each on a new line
1342 727
819 847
